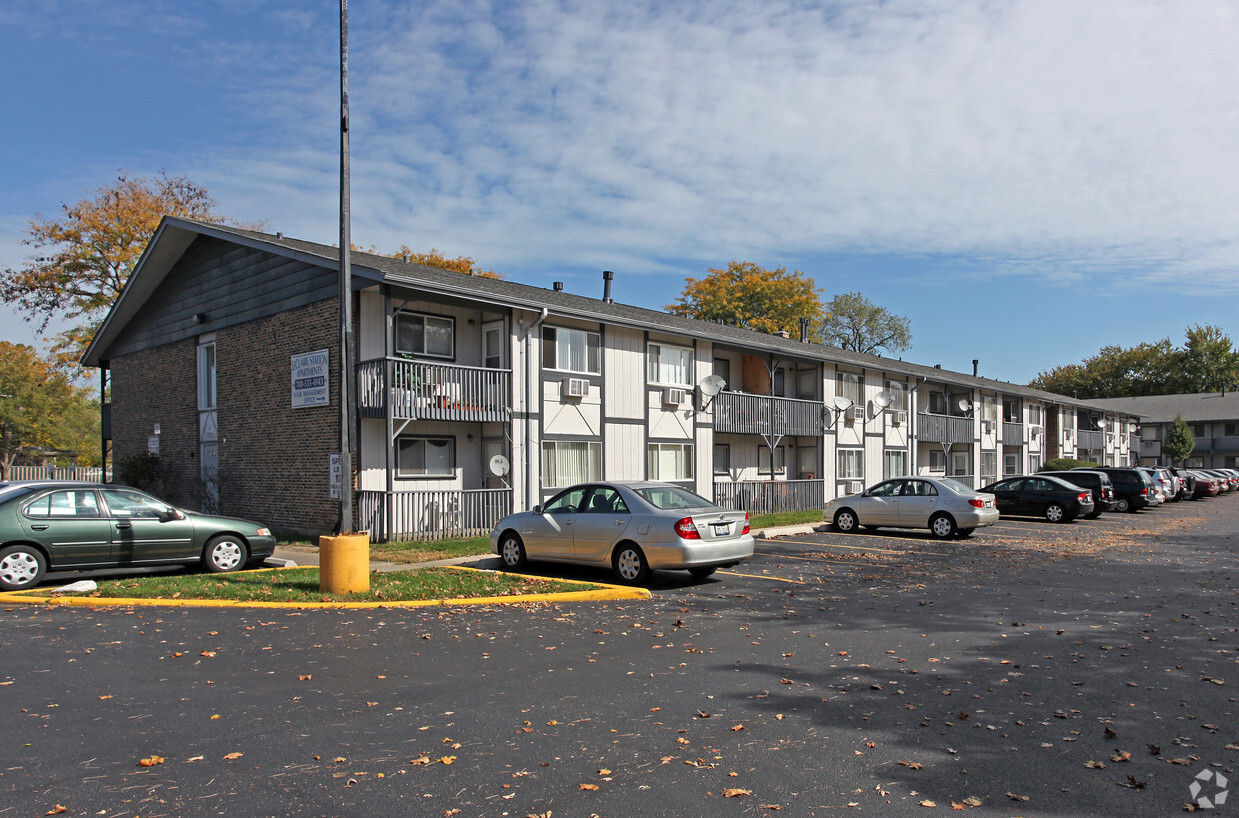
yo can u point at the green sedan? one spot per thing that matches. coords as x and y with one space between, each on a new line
54 526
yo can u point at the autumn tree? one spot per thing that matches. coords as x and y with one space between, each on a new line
83 258
746 295
1179 441
853 322
461 264
1119 372
1209 362
40 407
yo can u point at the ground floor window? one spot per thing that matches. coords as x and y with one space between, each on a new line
1034 463
426 457
960 464
989 467
567 462
1195 463
722 458
851 464
895 463
937 460
670 461
763 460
1010 463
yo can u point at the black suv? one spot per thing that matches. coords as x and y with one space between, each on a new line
1098 482
1131 487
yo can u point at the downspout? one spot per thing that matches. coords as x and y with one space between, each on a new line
913 421
531 386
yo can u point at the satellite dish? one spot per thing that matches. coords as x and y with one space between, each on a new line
843 404
1101 424
964 404
883 399
711 385
499 465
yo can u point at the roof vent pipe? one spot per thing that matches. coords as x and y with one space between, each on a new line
804 330
975 361
607 275
559 286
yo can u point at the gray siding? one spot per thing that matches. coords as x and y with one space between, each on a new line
230 285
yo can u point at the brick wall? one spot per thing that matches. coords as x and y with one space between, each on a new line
273 459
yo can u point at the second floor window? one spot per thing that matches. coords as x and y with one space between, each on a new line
899 397
670 365
571 350
852 387
430 335
937 403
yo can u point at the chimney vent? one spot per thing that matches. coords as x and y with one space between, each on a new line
559 286
975 361
607 275
804 330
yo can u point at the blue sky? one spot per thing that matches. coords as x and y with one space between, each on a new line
1025 181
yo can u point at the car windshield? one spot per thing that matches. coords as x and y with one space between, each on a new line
671 497
955 486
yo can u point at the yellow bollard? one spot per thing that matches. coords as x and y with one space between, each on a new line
344 563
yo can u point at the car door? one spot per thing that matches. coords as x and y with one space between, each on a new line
1008 495
147 530
548 534
917 502
69 524
880 504
603 519
1039 493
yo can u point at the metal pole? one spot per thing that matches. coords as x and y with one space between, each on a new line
346 291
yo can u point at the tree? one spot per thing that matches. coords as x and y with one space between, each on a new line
746 295
1119 372
1179 441
40 406
1209 362
854 322
460 264
84 258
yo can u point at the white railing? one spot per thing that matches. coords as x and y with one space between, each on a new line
92 474
767 496
431 515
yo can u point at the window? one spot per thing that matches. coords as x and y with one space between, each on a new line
888 489
778 387
1034 463
895 463
989 467
1199 430
851 464
132 504
1011 411
937 460
722 458
919 488
899 395
566 502
1232 429
571 350
426 457
429 335
722 368
960 464
763 460
206 376
1151 433
1010 463
989 408
670 461
566 462
605 500
493 338
807 381
670 365
1034 414
77 503
851 386
937 403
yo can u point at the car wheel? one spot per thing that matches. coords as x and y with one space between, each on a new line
1055 513
21 566
224 553
845 520
965 533
512 551
630 565
702 573
1121 503
942 526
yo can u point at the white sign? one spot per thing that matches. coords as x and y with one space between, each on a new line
152 444
311 386
335 471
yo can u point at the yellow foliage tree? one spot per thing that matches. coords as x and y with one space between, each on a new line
746 295
465 265
40 407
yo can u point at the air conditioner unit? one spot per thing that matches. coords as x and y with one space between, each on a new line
987 426
899 418
575 387
1035 431
673 396
856 413
855 487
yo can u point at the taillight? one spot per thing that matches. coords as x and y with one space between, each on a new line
746 523
976 502
1144 492
1084 497
687 530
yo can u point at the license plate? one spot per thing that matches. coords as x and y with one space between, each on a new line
989 503
722 529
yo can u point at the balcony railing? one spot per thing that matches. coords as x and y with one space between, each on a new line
1090 440
767 497
431 515
1012 434
766 415
943 429
417 390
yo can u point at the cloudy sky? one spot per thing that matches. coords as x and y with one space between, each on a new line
1026 182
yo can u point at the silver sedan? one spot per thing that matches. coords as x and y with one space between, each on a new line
631 528
946 507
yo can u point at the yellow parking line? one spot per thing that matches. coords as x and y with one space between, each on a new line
762 576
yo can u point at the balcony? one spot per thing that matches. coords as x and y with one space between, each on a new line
943 429
418 390
431 515
1012 434
765 415
1090 440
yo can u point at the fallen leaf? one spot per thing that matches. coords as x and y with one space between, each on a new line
737 728
208 653
304 678
912 765
102 697
233 756
448 760
736 792
604 771
927 803
1015 797
420 760
56 810
1120 756
1095 765
195 758
589 786
150 762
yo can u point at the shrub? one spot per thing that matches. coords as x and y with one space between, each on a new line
142 471
1065 463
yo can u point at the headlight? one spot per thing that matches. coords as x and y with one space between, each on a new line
264 532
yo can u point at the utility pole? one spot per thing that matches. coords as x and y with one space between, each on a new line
346 293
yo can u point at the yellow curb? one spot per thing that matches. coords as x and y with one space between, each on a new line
604 592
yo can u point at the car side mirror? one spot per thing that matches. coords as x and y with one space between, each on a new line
537 509
172 514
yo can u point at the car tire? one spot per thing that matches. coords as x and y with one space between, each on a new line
965 533
224 553
1055 513
942 526
21 567
845 521
630 564
512 551
872 527
702 573
1123 504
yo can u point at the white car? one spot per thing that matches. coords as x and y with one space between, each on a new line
946 507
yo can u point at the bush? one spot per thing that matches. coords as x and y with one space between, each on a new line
1065 463
142 471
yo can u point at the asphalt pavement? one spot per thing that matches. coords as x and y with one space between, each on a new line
1033 669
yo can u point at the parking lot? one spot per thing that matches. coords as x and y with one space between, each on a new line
880 673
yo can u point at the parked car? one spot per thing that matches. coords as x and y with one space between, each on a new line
1039 495
57 525
632 528
1187 482
1097 482
1227 481
1205 485
1133 489
946 507
1166 482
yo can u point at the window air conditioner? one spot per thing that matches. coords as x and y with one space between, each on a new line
987 426
1035 431
1067 434
673 396
856 413
855 487
899 418
575 387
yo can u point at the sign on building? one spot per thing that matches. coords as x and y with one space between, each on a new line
335 471
310 379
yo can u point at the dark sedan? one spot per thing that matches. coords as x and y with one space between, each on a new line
52 526
1042 496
